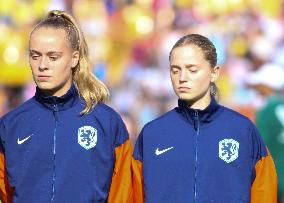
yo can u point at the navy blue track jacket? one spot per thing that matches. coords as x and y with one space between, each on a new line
49 153
202 156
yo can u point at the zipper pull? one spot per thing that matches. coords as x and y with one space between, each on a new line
55 112
195 120
196 114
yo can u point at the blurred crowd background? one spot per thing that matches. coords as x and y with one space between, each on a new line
130 41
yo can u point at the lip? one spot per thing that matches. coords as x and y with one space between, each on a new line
184 89
43 77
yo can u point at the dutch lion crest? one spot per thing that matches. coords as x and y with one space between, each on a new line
87 137
228 150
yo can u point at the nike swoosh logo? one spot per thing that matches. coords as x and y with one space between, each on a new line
159 152
23 140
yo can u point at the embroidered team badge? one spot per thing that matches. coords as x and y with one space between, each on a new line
87 137
228 150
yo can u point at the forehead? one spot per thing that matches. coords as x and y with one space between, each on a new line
184 53
46 38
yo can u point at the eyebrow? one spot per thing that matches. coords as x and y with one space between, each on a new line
187 66
48 53
34 51
190 65
175 66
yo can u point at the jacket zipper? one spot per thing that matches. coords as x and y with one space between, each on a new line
196 128
55 114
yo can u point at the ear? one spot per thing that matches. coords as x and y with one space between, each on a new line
75 59
215 73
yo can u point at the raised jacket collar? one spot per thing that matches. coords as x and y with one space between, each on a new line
204 116
60 103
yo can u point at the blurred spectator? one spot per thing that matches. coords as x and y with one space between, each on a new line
268 81
131 126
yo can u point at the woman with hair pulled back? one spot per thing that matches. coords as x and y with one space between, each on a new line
200 151
64 144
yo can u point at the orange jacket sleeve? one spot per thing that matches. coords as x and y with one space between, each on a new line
264 187
137 169
121 190
6 191
138 190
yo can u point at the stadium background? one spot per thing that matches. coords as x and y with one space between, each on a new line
130 40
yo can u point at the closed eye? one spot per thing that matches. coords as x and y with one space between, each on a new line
34 56
175 69
54 58
193 71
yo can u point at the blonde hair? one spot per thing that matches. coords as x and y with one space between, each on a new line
89 87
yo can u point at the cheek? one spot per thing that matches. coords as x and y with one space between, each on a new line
174 79
203 79
33 66
65 72
62 66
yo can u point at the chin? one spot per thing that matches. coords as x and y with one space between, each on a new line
188 100
193 98
186 96
45 86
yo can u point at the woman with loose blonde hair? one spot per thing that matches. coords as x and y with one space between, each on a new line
64 144
90 88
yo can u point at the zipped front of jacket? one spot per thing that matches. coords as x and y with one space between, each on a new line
213 150
39 168
196 128
55 114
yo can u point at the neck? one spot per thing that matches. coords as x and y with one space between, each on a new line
57 92
201 103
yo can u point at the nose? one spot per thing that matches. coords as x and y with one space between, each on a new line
43 64
183 77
